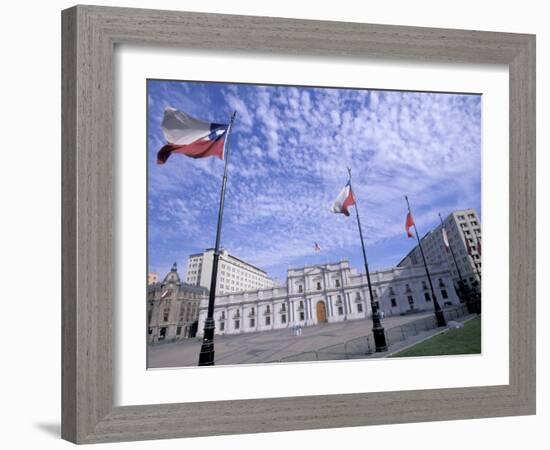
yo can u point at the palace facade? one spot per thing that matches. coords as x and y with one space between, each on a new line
332 292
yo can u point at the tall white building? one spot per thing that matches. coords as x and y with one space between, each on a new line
464 231
234 274
329 293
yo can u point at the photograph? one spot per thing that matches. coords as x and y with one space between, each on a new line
290 224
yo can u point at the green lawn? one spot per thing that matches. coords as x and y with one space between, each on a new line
457 341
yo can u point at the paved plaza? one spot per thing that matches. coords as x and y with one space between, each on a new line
277 345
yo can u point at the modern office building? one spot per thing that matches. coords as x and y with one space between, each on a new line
234 274
464 234
329 293
173 308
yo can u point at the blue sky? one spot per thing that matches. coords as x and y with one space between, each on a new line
290 148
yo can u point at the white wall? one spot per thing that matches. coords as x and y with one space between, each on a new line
30 224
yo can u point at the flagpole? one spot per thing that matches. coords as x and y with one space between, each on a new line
441 322
206 356
377 328
463 291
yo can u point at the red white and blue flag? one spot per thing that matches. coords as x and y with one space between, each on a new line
343 201
192 137
409 222
445 239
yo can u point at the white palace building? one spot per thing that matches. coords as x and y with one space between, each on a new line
331 292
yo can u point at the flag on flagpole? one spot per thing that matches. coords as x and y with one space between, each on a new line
191 137
317 247
408 224
344 200
445 238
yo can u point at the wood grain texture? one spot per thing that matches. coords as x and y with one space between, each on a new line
89 36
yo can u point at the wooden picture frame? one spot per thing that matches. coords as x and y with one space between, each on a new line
89 35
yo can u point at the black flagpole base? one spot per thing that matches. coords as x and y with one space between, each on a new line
440 318
206 356
380 339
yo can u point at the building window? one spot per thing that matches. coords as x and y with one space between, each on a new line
237 324
252 323
283 307
427 297
444 294
268 320
300 288
393 302
337 283
166 313
268 309
283 318
410 300
359 308
318 285
222 326
340 311
301 304
150 331
178 331
302 317
252 311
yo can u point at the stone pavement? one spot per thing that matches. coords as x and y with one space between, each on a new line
270 346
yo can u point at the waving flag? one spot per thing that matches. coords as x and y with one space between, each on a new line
408 224
445 238
189 136
317 247
343 201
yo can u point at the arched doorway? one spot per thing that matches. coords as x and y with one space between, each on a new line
321 312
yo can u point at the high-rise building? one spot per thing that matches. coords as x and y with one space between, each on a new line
464 234
234 274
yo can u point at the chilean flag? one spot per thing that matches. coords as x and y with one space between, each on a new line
189 136
445 238
343 201
409 222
